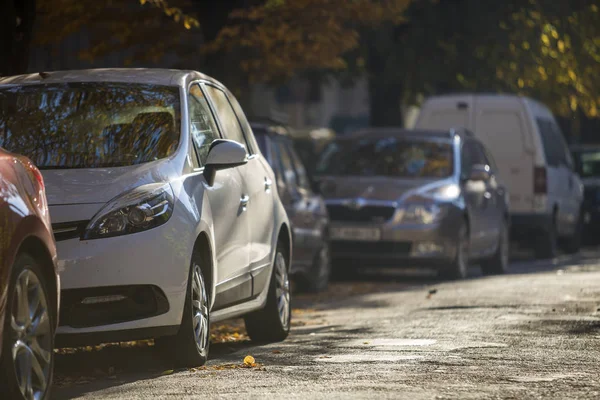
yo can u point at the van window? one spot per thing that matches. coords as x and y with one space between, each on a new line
552 142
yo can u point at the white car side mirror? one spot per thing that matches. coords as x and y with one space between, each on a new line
223 154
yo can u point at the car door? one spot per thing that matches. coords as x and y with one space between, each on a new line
257 183
309 229
227 201
493 201
571 195
475 198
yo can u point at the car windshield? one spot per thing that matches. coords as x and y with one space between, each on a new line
587 163
390 156
89 125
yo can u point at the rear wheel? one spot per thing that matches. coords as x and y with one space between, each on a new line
498 263
27 352
459 268
272 323
317 277
189 348
572 244
546 245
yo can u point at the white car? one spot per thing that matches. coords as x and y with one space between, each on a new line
546 194
162 206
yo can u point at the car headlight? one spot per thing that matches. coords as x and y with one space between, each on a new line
423 214
140 209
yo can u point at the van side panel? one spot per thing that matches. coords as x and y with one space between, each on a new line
444 113
501 124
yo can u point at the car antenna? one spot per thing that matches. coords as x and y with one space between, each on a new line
44 75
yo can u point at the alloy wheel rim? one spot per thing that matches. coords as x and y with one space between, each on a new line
282 290
31 327
200 310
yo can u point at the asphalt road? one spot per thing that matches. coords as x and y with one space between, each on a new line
533 333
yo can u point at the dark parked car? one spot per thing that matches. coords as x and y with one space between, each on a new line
29 283
587 165
406 198
306 210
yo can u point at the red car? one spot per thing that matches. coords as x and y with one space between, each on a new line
29 282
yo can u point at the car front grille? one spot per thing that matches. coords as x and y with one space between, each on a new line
69 230
83 308
376 248
369 213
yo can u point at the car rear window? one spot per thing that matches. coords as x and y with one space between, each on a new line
90 125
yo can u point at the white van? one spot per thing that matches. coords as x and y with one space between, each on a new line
533 159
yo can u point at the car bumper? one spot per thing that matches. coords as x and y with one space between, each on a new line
431 245
124 283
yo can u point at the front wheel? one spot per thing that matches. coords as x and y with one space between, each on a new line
498 263
272 323
317 277
189 348
459 268
27 350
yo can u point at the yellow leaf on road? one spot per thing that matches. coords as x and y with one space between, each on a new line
249 361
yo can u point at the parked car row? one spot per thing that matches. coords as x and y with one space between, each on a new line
165 209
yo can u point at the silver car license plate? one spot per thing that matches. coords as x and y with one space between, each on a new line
359 234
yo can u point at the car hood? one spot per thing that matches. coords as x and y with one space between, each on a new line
100 185
372 188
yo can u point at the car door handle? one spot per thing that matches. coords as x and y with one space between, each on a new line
244 202
268 184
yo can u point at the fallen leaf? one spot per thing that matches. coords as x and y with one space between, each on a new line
249 361
276 352
168 372
365 342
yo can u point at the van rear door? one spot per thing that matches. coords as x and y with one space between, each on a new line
501 124
444 113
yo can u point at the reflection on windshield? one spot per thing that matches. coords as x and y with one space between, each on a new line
393 157
89 125
588 163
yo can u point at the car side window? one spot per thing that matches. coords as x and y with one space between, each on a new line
301 175
203 128
488 158
566 157
551 143
249 134
287 167
229 121
467 159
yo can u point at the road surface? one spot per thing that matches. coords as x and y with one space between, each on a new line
533 333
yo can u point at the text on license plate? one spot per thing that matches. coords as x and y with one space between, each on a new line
362 234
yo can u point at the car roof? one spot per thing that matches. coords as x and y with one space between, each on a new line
400 132
269 126
156 76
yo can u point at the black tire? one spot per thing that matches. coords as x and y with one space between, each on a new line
572 244
498 263
272 324
190 347
459 267
546 244
316 279
28 271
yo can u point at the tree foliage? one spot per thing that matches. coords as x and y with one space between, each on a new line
280 38
150 27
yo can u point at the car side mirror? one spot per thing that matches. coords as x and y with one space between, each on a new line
223 154
480 172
